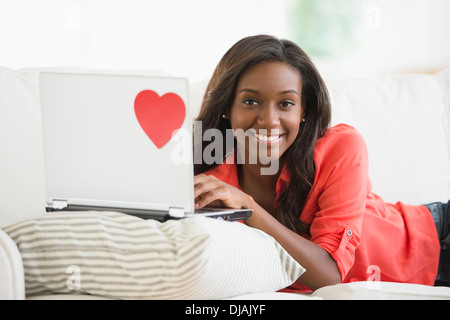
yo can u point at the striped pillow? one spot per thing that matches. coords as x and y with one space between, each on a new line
121 256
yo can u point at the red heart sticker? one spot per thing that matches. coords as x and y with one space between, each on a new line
159 116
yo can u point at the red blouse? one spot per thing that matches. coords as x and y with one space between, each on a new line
368 238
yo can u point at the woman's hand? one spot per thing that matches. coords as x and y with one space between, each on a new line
210 191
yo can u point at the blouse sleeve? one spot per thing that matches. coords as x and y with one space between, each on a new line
343 187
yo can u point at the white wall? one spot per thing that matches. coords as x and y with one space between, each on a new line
188 37
396 36
180 37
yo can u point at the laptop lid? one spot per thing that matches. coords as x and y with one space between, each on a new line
110 141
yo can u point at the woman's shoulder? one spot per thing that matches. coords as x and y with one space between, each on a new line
341 142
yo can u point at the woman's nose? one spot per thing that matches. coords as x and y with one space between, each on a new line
268 117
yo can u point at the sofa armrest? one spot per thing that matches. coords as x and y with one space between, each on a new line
11 270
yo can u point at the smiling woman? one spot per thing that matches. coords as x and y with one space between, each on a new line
316 201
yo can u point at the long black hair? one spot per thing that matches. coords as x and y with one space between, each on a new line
298 159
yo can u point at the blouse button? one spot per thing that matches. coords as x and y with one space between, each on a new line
349 232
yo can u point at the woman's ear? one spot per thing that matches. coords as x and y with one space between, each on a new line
302 113
226 114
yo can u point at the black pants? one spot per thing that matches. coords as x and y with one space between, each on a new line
441 216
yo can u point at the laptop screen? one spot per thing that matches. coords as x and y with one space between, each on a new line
112 140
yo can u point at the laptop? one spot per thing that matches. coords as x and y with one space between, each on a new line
120 143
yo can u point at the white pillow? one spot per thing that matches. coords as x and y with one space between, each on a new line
120 256
379 290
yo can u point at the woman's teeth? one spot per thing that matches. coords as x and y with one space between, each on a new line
267 138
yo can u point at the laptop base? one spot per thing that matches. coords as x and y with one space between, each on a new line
215 213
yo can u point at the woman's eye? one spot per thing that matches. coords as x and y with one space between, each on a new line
286 104
250 102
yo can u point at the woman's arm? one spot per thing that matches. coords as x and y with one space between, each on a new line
321 269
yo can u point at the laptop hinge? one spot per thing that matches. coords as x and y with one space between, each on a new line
176 212
59 204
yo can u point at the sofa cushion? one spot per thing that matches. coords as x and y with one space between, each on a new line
21 170
404 121
120 256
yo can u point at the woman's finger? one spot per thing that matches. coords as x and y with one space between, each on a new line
206 198
205 184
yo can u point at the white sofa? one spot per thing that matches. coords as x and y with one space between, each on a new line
405 120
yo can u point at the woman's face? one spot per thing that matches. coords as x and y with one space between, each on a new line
268 107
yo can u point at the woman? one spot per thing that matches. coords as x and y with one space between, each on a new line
318 204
